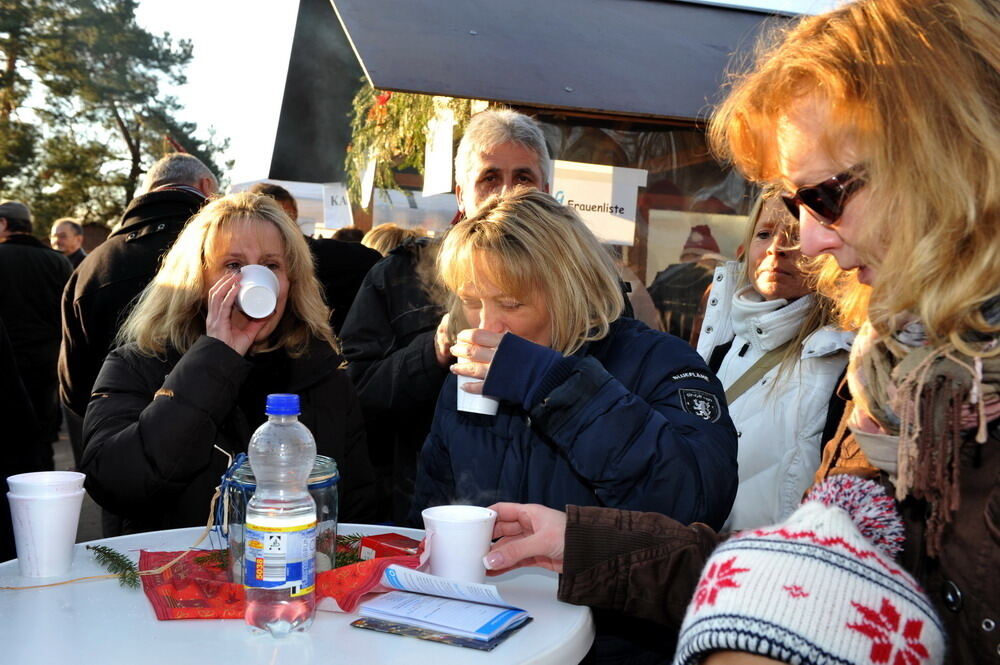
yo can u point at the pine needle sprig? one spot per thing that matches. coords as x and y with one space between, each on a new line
347 549
118 564
215 559
349 539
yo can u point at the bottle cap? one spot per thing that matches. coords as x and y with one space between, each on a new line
282 404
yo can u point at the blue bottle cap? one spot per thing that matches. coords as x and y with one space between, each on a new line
282 404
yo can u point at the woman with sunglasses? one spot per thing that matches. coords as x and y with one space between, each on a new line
880 121
769 339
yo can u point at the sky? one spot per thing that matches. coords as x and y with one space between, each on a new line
237 76
241 49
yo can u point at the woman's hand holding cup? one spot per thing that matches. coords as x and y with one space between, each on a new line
225 322
474 350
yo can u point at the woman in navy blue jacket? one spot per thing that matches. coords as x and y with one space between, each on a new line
594 409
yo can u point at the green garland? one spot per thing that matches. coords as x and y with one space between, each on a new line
392 127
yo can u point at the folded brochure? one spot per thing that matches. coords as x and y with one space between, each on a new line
474 611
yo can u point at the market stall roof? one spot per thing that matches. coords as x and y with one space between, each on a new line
653 58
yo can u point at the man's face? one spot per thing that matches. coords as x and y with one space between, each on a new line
64 240
496 171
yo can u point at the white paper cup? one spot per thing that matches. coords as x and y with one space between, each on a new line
475 403
45 532
458 537
258 291
45 483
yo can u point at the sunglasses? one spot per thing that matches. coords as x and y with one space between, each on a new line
827 199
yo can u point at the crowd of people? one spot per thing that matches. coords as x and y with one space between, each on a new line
854 345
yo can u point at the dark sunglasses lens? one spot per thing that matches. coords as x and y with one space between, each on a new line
823 200
790 203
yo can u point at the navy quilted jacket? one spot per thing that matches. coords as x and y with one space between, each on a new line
635 421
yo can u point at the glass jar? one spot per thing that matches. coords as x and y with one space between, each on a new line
323 482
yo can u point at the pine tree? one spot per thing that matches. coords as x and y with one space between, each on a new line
82 113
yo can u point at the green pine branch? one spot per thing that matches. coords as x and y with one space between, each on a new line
118 564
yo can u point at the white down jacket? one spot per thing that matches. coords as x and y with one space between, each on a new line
780 428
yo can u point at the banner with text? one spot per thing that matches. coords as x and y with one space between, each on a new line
604 196
336 206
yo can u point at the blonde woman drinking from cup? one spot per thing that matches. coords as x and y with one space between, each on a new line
593 408
188 385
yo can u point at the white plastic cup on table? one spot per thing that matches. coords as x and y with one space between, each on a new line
472 403
458 539
45 511
258 291
45 483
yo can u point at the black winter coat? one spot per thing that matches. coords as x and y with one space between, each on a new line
341 267
151 430
32 278
100 294
388 340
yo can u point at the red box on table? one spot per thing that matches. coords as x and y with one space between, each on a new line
387 544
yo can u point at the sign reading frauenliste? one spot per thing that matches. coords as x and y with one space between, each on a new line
604 196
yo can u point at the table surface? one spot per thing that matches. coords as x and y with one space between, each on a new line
99 621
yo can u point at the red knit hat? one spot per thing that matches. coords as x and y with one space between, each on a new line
700 240
820 588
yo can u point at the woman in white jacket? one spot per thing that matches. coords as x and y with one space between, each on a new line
767 337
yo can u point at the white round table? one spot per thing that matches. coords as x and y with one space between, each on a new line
101 622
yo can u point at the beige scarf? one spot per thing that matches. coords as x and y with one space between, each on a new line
928 396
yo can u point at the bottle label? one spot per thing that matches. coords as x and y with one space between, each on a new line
280 557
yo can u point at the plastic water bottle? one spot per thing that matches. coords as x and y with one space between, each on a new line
279 573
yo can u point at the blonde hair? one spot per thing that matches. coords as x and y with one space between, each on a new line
386 237
916 83
529 243
171 311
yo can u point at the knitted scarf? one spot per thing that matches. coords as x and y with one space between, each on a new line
931 397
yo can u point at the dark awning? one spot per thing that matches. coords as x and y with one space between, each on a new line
634 57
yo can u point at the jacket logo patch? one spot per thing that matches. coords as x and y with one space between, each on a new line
700 403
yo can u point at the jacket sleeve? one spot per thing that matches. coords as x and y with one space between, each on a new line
71 356
435 483
358 495
391 358
671 448
645 565
144 443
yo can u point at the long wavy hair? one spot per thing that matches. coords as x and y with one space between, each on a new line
916 83
531 243
171 311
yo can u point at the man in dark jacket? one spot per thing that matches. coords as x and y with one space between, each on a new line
32 277
66 237
17 454
395 339
101 293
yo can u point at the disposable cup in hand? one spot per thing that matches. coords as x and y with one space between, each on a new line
45 483
45 532
458 537
258 291
475 403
